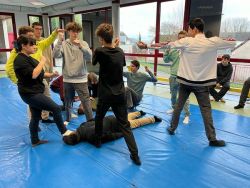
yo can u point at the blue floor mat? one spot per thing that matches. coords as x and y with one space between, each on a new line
183 160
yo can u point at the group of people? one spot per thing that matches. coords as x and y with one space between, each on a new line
193 69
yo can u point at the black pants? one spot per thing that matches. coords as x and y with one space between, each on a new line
121 114
218 95
244 92
37 103
202 96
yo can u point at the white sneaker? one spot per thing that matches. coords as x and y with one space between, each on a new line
170 111
65 123
73 115
186 120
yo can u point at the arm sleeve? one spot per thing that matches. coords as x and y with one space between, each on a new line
125 74
9 67
87 53
167 57
151 77
57 51
45 43
223 44
111 136
95 57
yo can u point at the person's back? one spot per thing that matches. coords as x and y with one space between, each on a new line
198 59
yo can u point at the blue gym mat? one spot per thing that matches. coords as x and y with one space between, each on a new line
182 160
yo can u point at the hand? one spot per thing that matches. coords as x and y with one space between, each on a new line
141 45
61 36
58 30
218 85
116 42
91 98
77 42
55 73
146 69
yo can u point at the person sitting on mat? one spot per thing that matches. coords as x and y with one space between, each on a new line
111 130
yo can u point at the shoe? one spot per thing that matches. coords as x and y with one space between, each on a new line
40 142
170 111
170 131
142 113
47 121
157 119
217 143
239 106
135 159
186 120
222 100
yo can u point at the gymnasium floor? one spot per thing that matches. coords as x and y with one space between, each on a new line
183 160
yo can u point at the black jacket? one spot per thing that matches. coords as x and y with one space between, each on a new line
224 73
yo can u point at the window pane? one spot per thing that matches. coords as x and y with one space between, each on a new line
137 23
6 30
172 15
33 19
235 23
3 58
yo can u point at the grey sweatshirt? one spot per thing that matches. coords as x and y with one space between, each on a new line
74 67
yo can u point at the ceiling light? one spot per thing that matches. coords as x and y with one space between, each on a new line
37 3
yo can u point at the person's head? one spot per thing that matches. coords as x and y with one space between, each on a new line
25 44
73 30
92 78
225 59
26 30
105 33
196 26
182 34
38 29
134 66
71 139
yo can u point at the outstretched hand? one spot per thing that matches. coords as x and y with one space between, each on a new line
141 45
147 69
116 42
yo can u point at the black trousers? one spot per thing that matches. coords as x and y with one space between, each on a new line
37 103
202 96
218 95
121 114
244 92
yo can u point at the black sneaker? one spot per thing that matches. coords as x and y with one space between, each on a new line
217 143
239 106
170 131
142 113
47 121
157 119
135 159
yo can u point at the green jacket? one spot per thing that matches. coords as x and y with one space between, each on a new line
173 56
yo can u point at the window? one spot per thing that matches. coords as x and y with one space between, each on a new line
137 23
35 18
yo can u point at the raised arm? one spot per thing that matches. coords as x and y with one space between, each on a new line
152 77
57 51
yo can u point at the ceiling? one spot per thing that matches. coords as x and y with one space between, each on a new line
27 3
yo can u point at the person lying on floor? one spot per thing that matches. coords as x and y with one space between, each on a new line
111 130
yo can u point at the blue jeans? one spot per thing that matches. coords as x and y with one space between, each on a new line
174 88
37 103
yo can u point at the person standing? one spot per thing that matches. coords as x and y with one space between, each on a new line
30 76
173 55
111 90
197 71
244 94
48 67
75 54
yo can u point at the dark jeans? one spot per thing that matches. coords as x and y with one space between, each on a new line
37 103
244 92
121 114
133 99
202 96
218 95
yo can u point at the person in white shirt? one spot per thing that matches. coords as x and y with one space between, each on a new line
197 71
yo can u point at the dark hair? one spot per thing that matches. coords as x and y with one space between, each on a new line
226 56
105 31
23 40
24 30
73 26
183 32
71 139
136 63
36 24
197 23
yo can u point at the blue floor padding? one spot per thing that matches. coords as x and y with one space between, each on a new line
182 160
